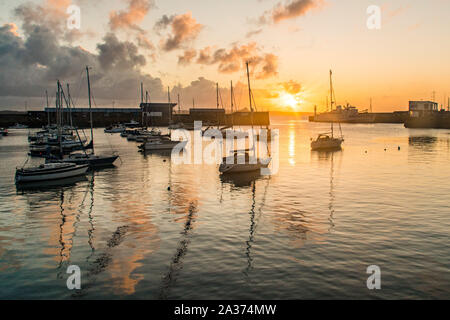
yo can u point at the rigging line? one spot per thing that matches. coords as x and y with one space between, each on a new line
79 85
254 102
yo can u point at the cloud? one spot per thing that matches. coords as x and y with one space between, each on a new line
253 33
187 57
288 10
31 63
131 16
184 28
234 59
291 87
202 90
50 13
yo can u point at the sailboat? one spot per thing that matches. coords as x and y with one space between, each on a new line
242 160
327 141
91 159
50 171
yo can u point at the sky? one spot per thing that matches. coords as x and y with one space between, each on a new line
189 46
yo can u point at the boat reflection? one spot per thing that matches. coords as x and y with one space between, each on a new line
253 225
160 153
241 179
177 260
325 154
422 142
40 186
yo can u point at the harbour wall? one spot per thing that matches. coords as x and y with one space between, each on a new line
438 120
37 119
376 117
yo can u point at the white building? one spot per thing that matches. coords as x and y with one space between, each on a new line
419 108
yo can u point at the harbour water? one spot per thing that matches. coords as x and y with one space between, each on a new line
151 229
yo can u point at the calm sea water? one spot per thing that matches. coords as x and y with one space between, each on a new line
310 231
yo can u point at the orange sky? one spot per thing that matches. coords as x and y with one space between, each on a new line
292 44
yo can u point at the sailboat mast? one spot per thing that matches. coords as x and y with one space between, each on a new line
70 106
58 108
90 107
249 89
231 104
48 111
251 108
217 95
331 102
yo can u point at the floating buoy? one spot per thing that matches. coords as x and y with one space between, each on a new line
168 188
399 148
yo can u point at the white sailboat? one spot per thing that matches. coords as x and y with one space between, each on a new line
327 141
242 160
50 171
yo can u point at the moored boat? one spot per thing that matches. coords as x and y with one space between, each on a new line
162 144
327 141
50 171
94 161
242 161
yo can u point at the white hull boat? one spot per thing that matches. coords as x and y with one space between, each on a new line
50 171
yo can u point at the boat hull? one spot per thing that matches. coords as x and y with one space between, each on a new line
63 173
242 167
100 161
166 145
332 144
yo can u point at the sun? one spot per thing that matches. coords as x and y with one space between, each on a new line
290 100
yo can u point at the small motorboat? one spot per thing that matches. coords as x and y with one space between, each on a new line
50 171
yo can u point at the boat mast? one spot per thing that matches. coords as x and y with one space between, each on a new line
331 102
170 107
251 107
58 108
231 97
90 107
69 106
48 111
217 104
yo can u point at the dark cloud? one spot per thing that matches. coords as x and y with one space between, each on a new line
32 62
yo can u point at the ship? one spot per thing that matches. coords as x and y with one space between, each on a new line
344 114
